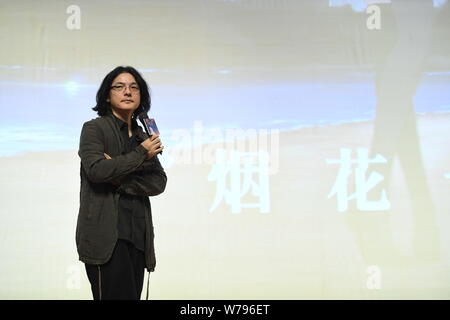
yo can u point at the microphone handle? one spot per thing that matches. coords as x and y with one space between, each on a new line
147 130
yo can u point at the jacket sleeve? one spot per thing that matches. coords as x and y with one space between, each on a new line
99 169
149 180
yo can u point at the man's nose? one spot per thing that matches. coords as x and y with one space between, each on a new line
127 91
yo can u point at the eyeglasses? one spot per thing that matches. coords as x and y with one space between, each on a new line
121 87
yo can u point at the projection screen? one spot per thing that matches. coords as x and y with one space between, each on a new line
306 144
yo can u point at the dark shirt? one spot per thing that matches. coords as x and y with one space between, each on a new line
131 220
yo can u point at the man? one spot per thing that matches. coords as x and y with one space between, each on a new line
119 171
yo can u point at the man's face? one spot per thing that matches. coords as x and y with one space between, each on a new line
124 94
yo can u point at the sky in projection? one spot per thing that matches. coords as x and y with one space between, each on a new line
286 83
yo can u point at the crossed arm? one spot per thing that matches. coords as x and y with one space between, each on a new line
148 180
134 172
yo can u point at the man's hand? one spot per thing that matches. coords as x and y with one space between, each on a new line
108 157
153 146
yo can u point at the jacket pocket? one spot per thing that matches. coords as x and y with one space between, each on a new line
95 207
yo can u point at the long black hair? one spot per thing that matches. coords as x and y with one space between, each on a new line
103 107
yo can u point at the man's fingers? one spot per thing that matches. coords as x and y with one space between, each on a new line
155 151
154 137
156 144
107 156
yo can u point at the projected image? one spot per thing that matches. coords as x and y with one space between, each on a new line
305 144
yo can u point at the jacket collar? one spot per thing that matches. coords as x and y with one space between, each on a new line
116 123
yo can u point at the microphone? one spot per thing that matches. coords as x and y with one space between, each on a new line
149 125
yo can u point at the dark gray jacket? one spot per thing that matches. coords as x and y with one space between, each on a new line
96 232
